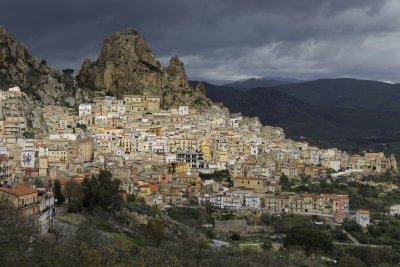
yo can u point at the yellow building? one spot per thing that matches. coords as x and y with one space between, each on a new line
142 103
222 156
206 150
57 155
81 149
114 131
43 166
249 182
176 167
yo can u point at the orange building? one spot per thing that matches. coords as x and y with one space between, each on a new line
23 197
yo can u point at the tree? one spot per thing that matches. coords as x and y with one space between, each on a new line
351 226
267 245
29 134
73 191
155 228
235 237
102 191
280 227
57 193
349 261
310 240
266 218
285 184
16 233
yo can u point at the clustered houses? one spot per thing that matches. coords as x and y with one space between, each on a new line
159 154
280 202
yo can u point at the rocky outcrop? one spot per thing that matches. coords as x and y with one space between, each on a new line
201 88
42 84
33 76
393 163
126 65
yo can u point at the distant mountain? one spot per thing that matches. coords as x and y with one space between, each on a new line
282 79
219 82
254 82
346 93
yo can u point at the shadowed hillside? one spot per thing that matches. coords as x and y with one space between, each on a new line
342 112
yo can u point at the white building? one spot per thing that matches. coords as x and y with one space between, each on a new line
183 110
362 217
28 159
395 210
222 202
252 202
85 109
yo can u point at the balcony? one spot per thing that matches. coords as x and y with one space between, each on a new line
29 205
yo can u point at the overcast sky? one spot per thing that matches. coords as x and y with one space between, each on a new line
222 40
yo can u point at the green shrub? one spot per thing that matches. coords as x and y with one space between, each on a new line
235 237
74 206
267 245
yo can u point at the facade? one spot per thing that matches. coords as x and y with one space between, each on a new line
362 218
183 110
249 182
395 210
85 109
23 197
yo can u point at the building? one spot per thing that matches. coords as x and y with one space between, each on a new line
249 182
395 210
183 110
23 197
362 217
195 159
85 109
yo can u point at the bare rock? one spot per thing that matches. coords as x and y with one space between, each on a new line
126 65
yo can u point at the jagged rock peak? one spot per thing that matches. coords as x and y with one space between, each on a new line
201 88
126 65
2 30
175 61
128 45
129 31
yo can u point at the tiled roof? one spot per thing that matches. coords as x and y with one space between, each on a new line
19 190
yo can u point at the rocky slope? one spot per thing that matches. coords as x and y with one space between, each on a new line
42 84
126 65
34 77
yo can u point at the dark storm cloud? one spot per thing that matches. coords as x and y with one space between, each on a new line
220 39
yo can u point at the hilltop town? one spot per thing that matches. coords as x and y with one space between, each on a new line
129 149
161 155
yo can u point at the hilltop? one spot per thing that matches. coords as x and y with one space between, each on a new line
126 65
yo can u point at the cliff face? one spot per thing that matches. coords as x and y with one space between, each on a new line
34 77
42 84
126 65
